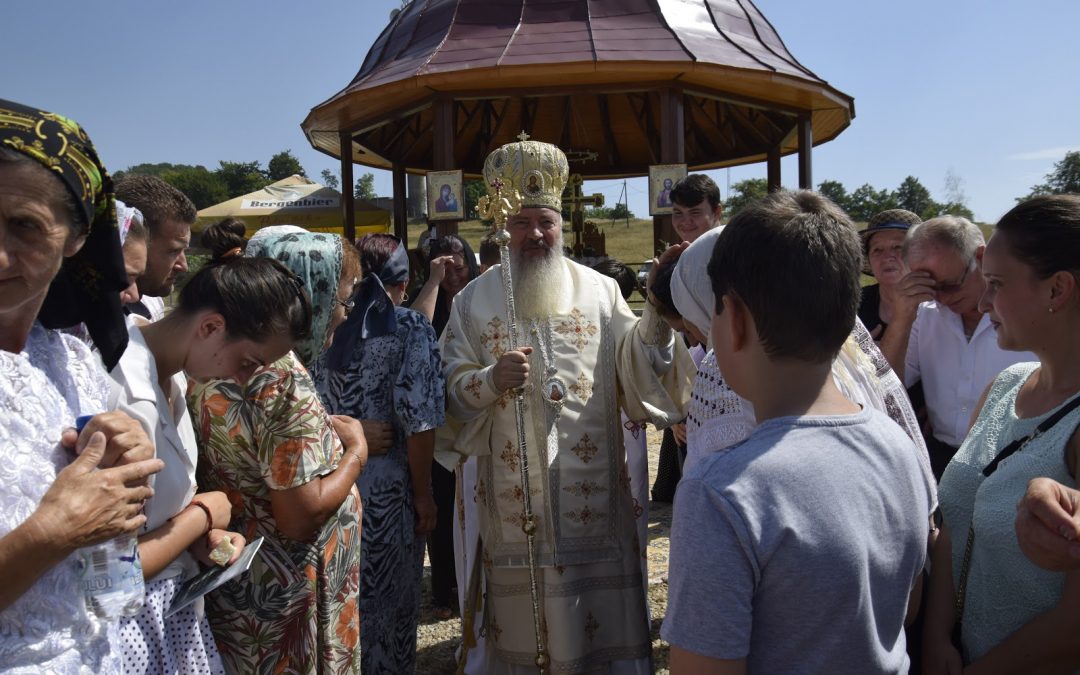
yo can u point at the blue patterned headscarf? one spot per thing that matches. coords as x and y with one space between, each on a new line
315 257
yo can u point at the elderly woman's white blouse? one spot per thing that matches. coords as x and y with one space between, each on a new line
42 389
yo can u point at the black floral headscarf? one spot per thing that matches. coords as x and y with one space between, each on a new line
87 288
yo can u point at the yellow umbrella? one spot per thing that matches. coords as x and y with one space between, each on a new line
295 201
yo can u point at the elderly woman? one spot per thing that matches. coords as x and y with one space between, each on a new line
289 469
883 246
452 266
61 264
384 365
1016 617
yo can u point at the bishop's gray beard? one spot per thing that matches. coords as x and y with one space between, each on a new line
539 283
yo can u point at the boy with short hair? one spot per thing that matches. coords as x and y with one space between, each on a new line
796 550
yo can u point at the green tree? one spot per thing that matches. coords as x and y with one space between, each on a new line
621 212
283 165
241 178
744 192
956 209
329 179
1064 178
365 187
865 201
147 169
474 190
913 196
204 188
834 190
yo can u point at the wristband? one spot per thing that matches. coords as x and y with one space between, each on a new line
206 510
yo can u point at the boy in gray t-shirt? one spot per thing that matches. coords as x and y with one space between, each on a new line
796 550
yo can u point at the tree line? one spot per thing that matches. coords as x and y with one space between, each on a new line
206 187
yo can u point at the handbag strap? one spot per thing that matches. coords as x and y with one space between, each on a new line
1007 451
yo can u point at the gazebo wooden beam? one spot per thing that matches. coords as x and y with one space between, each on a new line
348 200
772 163
806 143
643 117
609 134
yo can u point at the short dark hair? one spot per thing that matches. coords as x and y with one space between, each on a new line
623 275
489 250
694 189
258 297
793 258
1044 234
661 293
375 249
157 200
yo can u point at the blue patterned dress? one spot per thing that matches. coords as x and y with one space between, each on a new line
394 378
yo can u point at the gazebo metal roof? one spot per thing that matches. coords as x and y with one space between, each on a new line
593 76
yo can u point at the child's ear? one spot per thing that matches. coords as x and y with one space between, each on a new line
734 320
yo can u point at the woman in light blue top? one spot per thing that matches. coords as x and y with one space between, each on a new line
1015 617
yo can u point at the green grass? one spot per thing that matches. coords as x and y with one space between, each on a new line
631 245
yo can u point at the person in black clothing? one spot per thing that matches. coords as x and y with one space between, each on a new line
883 243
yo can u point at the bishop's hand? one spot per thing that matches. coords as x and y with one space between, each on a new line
511 370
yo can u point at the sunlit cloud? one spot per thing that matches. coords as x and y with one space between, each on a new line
1047 153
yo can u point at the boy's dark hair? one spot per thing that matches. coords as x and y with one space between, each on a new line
793 258
661 293
623 275
489 250
694 189
157 200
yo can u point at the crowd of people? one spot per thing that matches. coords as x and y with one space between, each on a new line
866 479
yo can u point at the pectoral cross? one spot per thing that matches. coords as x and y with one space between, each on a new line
576 203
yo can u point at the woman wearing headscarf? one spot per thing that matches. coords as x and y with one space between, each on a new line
289 470
384 365
61 265
452 267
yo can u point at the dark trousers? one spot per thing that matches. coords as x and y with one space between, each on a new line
668 469
441 540
940 455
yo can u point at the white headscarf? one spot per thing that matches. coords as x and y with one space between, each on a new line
124 215
691 289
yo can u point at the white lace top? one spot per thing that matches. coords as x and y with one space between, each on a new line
42 390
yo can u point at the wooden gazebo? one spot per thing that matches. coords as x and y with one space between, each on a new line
617 84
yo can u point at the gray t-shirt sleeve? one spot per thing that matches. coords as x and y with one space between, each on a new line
712 575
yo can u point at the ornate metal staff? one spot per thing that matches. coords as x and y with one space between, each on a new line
498 208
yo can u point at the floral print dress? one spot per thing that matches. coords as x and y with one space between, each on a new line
295 610
396 378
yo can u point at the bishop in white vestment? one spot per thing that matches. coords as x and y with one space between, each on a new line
585 356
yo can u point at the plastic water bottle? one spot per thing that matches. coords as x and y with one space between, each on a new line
110 572
112 578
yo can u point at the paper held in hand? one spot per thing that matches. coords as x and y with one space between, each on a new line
208 580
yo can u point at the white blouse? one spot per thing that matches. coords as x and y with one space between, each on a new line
42 390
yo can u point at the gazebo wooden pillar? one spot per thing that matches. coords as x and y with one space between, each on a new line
348 204
443 137
672 151
401 216
806 142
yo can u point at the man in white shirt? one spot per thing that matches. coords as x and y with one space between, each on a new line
944 339
168 215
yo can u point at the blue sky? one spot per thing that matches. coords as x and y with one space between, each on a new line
979 89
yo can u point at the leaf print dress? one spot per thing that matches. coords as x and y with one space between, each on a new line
295 611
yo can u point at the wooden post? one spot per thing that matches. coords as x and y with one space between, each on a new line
443 133
773 162
806 142
672 151
348 204
401 223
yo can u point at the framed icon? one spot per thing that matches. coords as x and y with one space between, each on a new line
445 199
662 178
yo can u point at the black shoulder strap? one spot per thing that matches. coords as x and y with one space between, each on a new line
1011 448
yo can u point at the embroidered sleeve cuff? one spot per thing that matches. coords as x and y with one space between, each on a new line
477 389
653 330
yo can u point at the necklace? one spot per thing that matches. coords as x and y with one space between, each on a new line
552 389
